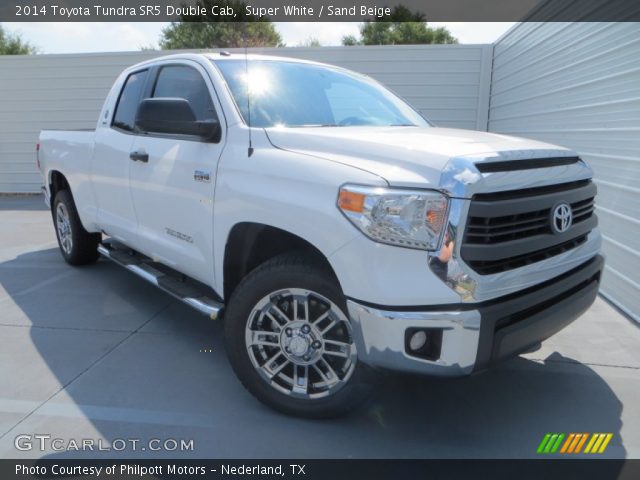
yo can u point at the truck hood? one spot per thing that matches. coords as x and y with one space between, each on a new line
406 156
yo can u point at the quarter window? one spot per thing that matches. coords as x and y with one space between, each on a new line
125 115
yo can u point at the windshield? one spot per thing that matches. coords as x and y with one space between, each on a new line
289 94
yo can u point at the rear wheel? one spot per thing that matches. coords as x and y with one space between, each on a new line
290 342
78 247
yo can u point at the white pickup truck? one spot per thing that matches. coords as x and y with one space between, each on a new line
335 231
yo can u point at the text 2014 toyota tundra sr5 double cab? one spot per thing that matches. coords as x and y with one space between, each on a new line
333 228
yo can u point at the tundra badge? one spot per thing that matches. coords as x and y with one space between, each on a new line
202 176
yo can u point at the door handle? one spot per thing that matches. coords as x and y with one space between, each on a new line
139 157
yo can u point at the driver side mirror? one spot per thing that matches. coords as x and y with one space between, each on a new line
174 116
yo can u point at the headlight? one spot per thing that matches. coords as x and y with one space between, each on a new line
407 218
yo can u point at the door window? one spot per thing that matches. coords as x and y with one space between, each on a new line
181 81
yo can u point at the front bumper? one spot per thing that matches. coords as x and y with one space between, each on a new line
473 336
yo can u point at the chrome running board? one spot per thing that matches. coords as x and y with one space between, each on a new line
173 283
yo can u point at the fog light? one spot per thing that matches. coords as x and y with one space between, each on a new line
425 343
418 340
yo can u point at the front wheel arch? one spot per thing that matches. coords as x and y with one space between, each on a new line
250 244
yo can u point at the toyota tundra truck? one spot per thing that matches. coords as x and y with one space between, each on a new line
333 229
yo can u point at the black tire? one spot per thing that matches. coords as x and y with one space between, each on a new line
83 246
290 272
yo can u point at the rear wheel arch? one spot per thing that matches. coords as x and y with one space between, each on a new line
251 244
57 182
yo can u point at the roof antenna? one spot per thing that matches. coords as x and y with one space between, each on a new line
246 69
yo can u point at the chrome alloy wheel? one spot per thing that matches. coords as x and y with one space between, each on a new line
301 344
64 228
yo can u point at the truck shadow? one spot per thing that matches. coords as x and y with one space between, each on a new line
107 356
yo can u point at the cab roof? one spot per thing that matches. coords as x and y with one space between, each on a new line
224 55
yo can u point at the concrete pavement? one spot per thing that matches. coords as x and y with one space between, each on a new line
95 353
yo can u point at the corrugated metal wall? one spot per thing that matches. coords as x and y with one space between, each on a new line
448 83
578 85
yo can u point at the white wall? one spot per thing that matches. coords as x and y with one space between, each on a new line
448 83
578 85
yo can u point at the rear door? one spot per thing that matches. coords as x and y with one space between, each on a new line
173 187
114 140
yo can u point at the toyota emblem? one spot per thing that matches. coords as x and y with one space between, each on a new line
561 218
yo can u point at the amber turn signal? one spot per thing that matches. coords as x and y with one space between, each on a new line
351 201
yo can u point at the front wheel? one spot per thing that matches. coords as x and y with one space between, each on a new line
290 342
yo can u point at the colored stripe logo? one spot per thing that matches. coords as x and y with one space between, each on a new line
574 443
